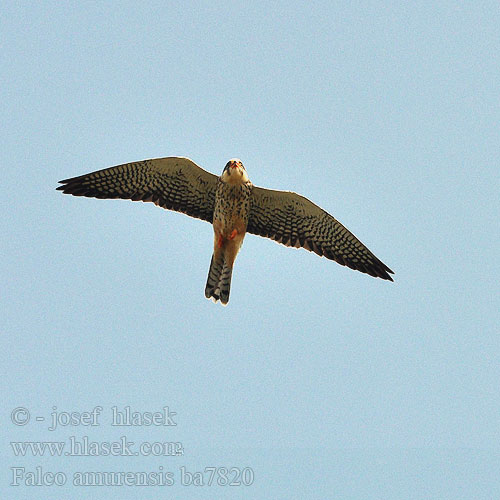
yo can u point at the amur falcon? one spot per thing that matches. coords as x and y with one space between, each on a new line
234 206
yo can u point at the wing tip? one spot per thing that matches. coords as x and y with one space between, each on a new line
388 272
378 270
387 277
69 185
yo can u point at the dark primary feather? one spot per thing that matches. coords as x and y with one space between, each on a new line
293 220
175 183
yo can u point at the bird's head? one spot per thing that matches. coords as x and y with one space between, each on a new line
234 172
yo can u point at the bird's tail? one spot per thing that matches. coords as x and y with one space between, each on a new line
219 280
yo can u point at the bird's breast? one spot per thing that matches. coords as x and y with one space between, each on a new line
232 208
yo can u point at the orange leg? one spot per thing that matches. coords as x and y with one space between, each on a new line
233 234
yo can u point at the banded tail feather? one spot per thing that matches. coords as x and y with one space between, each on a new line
219 280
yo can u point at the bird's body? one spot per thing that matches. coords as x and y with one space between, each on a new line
234 206
231 213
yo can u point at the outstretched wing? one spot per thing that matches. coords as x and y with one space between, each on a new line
293 220
175 183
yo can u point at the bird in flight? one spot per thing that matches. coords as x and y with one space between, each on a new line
234 206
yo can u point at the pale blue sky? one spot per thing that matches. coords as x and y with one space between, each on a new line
326 382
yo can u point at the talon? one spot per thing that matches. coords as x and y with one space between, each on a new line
233 234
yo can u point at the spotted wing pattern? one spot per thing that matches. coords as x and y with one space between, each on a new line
175 183
293 220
